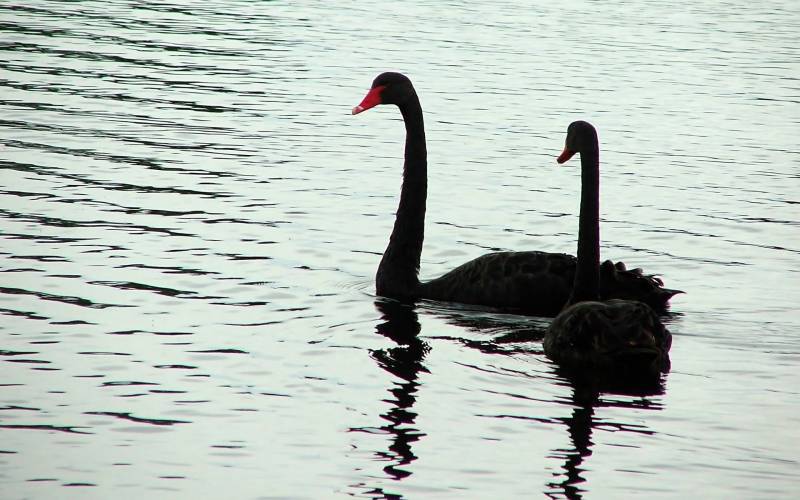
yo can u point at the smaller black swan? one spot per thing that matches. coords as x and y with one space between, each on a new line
531 282
617 335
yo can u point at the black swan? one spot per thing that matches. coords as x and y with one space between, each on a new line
532 282
618 335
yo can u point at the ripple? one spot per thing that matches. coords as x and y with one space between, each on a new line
191 222
66 429
129 417
78 301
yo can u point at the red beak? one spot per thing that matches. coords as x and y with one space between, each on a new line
372 99
565 155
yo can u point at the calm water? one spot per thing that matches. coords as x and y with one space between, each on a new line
191 221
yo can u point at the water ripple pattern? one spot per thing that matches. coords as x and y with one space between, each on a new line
190 222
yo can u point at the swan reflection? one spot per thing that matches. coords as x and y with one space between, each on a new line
586 398
404 361
512 335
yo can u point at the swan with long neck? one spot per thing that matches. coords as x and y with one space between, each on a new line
531 282
620 335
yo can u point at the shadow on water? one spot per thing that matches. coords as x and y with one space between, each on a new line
404 361
501 332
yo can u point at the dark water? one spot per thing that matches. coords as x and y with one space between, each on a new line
191 221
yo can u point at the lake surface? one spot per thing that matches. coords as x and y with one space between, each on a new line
191 221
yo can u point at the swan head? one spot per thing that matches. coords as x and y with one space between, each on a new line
387 88
581 136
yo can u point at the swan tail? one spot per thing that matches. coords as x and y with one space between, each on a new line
619 282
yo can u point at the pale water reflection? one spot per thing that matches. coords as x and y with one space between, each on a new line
191 221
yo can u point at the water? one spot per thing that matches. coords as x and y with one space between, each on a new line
191 221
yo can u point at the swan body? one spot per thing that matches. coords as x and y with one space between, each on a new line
531 282
537 283
618 335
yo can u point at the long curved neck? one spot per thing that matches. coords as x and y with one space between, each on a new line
398 271
587 274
